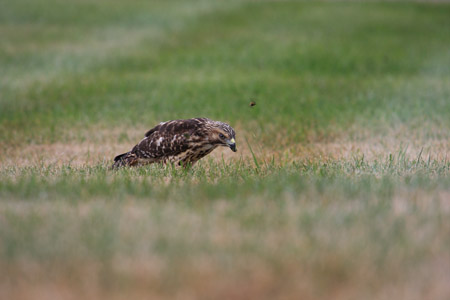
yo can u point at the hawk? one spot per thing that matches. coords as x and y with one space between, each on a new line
181 142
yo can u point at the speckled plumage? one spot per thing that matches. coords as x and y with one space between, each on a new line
181 142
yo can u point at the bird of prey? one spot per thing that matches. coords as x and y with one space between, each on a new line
181 142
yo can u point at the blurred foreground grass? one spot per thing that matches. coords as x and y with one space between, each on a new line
308 229
326 206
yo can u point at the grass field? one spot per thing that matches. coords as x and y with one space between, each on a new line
340 188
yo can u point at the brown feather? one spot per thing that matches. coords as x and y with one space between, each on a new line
177 141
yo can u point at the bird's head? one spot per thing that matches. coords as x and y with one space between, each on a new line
223 134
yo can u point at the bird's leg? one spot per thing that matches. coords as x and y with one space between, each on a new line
186 164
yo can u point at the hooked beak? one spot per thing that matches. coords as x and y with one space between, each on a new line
232 144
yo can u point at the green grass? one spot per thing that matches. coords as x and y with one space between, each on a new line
311 67
344 225
340 187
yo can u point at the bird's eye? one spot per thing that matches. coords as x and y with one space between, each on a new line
221 136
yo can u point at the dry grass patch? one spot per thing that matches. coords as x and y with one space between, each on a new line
102 145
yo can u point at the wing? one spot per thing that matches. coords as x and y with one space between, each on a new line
169 138
177 126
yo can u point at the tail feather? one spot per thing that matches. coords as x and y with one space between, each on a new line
125 159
